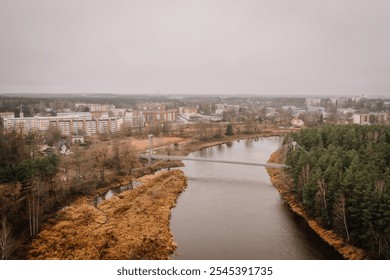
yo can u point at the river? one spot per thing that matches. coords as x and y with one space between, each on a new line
233 211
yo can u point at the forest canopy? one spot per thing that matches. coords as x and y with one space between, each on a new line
341 176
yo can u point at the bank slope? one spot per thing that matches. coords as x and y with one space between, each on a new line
283 184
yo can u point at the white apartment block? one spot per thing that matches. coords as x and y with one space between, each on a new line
134 119
67 125
338 101
76 115
163 116
6 115
366 119
25 125
361 118
117 112
312 101
95 107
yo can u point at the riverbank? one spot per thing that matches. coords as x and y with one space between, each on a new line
188 147
132 225
282 182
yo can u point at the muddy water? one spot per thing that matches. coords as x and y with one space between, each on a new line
233 211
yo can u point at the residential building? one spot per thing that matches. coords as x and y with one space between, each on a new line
188 110
312 101
69 124
94 107
338 101
6 115
361 119
370 118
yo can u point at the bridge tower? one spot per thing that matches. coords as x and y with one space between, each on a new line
150 147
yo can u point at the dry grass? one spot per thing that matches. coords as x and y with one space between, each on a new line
133 225
283 184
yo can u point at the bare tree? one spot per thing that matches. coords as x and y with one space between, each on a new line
340 212
303 180
100 156
7 243
66 165
78 160
322 196
34 206
117 162
250 124
129 156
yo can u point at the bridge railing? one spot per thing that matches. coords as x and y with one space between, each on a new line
164 157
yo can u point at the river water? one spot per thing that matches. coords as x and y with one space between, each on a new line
233 211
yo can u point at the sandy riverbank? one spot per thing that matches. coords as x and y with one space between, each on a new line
133 225
281 181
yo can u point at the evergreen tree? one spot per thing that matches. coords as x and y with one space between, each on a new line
343 181
229 129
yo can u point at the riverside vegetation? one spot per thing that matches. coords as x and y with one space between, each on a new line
34 185
133 225
339 181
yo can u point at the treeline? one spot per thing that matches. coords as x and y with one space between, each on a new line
341 176
27 189
35 184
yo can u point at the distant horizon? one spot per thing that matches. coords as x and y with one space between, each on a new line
87 94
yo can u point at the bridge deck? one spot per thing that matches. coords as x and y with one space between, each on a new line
163 157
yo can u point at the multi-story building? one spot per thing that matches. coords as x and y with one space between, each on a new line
68 124
6 115
370 118
24 125
188 110
134 119
94 107
163 116
312 101
76 115
108 125
361 118
339 101
151 107
117 112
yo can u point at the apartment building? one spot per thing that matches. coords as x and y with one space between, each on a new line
6 115
69 124
94 107
370 118
25 125
163 116
151 107
312 101
133 119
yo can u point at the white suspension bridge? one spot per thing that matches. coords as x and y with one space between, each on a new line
283 150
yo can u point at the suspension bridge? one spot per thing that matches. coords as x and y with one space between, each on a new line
283 152
165 157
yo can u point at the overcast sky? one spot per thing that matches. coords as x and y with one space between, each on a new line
332 47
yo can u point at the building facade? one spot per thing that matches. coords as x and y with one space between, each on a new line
67 125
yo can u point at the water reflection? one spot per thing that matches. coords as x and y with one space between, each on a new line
233 211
